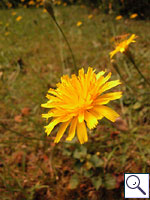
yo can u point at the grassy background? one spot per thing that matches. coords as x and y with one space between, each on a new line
33 56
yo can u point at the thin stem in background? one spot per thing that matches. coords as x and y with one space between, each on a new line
69 47
130 57
50 10
121 77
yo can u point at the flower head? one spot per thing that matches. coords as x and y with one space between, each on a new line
79 23
79 99
13 13
118 17
134 15
90 16
18 18
123 46
31 3
7 33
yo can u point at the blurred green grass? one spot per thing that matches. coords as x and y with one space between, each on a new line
31 60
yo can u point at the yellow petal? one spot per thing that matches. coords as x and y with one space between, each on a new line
81 73
61 131
72 129
104 99
47 115
108 113
52 91
81 117
112 53
106 79
109 85
51 125
91 120
96 113
122 49
82 132
100 74
103 80
89 74
47 105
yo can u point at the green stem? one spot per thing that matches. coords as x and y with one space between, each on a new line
121 77
69 47
136 67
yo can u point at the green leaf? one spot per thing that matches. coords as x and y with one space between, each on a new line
97 182
88 173
74 181
78 167
67 152
96 161
80 152
110 182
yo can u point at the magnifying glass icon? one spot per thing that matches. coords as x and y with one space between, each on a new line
133 182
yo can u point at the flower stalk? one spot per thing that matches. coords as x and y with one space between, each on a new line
130 57
50 10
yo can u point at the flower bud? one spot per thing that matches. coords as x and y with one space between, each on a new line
49 8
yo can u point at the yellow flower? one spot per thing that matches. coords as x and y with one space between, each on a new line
77 100
134 15
9 5
22 0
7 33
41 4
58 2
79 23
118 17
18 18
31 3
13 13
44 10
7 25
123 46
90 16
65 4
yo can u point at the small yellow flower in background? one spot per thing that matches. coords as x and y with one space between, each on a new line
7 33
80 99
18 18
82 6
58 2
118 17
90 16
65 4
79 23
7 25
44 10
123 46
22 1
9 5
13 13
134 15
41 4
31 3
98 153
